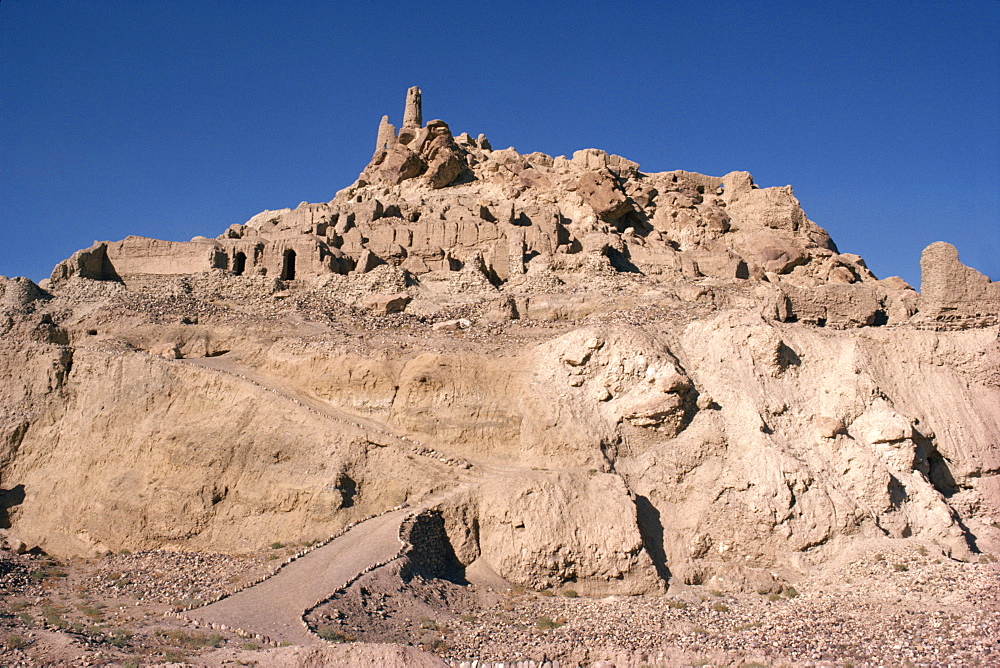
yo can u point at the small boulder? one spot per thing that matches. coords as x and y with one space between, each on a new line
11 543
881 424
828 427
395 303
452 325
401 164
169 351
599 190
501 310
896 283
367 262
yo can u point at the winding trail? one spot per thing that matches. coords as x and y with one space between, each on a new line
233 368
275 606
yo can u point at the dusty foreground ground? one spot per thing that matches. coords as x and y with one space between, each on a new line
888 604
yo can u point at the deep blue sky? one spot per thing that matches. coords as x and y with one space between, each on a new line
171 119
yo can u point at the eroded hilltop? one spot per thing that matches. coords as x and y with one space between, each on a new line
651 378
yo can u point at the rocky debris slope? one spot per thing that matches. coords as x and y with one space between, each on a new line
177 578
890 602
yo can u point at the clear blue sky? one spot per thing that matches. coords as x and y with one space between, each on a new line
172 119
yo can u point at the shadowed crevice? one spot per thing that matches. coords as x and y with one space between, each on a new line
651 530
8 499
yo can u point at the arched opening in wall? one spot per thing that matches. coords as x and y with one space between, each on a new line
288 266
239 263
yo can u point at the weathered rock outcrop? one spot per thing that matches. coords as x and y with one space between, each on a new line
640 378
415 151
565 527
748 448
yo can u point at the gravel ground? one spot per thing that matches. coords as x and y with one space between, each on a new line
109 611
176 578
893 603
891 607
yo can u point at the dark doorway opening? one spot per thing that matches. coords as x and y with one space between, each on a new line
288 266
239 263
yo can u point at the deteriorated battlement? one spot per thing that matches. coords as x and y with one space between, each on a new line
430 202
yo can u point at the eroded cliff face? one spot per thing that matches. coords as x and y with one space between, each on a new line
617 457
747 448
133 452
622 379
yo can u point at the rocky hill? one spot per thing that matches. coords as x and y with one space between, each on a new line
641 379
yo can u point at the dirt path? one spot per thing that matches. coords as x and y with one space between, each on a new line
274 607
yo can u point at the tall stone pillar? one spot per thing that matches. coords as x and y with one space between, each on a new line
516 248
413 114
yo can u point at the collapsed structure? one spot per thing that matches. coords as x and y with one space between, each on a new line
430 202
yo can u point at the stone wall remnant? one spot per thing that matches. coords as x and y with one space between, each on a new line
951 291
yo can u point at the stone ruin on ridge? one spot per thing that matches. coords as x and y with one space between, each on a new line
430 202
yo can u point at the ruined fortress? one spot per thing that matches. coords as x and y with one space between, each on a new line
593 376
344 235
431 202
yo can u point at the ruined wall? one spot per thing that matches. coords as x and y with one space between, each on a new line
951 291
139 255
284 256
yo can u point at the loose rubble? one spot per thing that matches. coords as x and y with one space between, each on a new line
870 612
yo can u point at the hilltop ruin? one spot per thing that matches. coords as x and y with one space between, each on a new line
429 202
589 375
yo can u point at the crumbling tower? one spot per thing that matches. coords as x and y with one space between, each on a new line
413 115
386 135
413 120
415 150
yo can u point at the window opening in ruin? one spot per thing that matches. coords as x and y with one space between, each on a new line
288 266
239 263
